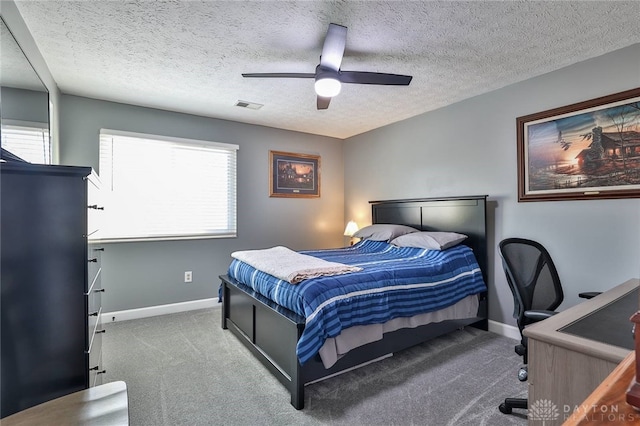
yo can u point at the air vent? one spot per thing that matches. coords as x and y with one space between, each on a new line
250 105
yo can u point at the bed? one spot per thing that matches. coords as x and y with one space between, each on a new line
274 333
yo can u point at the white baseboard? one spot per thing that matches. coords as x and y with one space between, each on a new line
505 330
153 311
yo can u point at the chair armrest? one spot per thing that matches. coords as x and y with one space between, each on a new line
538 315
589 294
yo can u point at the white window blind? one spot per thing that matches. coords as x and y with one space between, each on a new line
157 187
29 141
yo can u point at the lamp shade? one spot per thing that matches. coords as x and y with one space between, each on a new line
351 229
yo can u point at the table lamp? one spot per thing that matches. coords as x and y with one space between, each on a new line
351 229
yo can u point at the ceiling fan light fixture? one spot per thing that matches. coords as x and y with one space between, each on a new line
329 77
327 87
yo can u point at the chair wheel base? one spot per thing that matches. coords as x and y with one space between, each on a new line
504 409
510 403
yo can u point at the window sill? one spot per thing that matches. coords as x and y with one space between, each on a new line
164 238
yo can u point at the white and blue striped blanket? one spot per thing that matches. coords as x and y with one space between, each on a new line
394 282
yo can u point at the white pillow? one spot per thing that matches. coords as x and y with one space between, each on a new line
429 240
383 232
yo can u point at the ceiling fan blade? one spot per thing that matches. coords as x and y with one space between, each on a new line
280 75
363 77
322 102
333 48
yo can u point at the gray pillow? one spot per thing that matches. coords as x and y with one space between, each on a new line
429 240
383 232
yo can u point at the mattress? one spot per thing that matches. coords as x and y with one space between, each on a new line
335 348
395 282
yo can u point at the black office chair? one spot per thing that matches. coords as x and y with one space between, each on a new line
537 292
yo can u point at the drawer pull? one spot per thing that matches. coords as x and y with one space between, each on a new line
100 290
99 249
95 260
101 372
93 314
101 331
95 206
94 368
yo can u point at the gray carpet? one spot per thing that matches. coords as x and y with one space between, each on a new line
183 369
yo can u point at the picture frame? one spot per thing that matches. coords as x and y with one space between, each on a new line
587 150
294 175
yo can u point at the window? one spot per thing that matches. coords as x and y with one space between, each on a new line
29 141
157 187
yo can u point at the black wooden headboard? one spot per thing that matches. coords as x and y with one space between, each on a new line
465 215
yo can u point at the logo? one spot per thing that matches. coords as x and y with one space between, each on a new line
544 410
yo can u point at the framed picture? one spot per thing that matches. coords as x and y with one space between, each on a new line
588 150
294 175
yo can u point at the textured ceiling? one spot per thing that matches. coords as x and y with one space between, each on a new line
188 56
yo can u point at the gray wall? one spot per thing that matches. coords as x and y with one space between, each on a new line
470 148
151 273
25 105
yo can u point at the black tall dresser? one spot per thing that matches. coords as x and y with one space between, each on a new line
49 282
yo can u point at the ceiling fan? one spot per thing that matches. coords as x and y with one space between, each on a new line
328 74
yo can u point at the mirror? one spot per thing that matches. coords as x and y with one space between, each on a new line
24 99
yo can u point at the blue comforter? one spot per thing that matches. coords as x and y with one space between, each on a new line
394 282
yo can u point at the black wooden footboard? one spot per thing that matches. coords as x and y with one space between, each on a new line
271 333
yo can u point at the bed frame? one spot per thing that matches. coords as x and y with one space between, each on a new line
271 332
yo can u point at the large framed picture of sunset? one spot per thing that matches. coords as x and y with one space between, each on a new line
588 150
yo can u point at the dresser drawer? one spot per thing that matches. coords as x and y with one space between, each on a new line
94 263
96 371
94 299
97 376
95 207
94 325
94 217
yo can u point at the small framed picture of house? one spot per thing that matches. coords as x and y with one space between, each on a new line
587 150
294 175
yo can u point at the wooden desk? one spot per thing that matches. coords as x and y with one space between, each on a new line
607 403
104 405
564 368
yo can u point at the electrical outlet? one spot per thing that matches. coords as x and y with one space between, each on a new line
188 276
